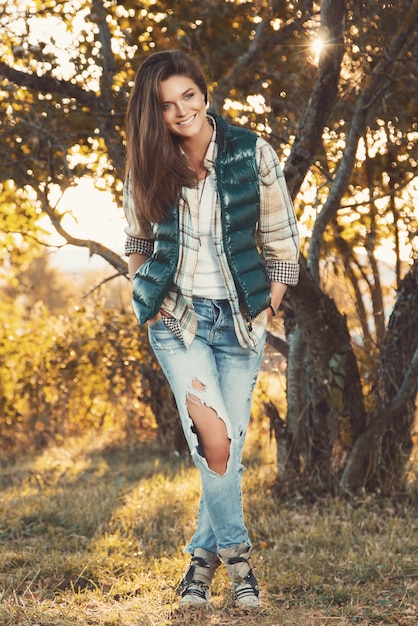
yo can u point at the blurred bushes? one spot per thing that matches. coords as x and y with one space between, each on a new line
61 375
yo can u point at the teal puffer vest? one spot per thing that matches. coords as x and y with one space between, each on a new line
239 192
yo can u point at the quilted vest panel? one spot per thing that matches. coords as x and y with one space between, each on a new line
239 193
155 277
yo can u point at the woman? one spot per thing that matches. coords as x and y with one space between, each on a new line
212 244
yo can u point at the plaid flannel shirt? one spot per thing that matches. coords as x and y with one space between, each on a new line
277 238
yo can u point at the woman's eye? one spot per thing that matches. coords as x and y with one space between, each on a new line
189 95
166 106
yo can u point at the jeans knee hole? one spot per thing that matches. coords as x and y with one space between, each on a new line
193 400
197 384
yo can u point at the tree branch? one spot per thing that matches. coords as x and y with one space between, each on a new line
101 106
109 133
243 61
323 95
103 282
94 247
381 78
278 344
49 84
408 388
262 40
107 59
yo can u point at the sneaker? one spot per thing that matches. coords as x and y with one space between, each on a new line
244 583
247 593
195 594
194 588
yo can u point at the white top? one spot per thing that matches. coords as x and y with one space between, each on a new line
207 281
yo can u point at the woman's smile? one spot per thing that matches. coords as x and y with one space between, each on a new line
187 122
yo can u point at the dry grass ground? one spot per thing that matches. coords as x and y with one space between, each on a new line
92 534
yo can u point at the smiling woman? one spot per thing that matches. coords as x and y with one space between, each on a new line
212 245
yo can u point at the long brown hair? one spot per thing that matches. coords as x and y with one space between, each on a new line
155 164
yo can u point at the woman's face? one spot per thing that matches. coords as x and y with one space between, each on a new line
183 106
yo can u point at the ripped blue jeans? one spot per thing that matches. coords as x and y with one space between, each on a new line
227 374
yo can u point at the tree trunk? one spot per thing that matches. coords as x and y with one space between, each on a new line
325 403
382 451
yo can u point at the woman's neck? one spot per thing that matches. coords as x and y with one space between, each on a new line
195 149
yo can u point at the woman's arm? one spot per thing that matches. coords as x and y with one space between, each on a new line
277 225
277 292
135 260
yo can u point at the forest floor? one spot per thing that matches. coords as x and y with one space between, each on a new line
92 533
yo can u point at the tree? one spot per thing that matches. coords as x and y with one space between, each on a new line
344 123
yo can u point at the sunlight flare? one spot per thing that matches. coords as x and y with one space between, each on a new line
317 47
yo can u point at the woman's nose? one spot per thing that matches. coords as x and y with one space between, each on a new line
180 109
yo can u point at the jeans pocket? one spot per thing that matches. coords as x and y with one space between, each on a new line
157 321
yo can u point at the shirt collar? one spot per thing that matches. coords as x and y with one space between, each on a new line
212 150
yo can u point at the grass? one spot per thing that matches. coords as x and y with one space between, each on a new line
92 533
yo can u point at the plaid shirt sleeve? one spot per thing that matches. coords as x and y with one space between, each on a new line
139 235
278 233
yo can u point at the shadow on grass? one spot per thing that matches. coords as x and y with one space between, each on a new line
67 517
